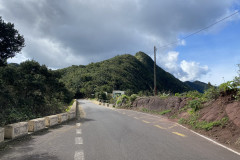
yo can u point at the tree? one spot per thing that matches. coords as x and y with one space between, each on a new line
11 42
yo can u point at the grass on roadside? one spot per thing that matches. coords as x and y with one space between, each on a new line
70 105
155 112
196 124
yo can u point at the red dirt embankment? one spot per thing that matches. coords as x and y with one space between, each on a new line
211 111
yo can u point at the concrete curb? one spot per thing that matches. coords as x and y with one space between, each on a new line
20 129
36 124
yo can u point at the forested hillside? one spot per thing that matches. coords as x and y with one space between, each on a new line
126 72
199 86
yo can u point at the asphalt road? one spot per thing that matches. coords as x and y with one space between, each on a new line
115 134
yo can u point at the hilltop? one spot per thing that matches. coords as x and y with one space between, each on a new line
124 72
197 85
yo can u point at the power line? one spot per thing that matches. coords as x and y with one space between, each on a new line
196 32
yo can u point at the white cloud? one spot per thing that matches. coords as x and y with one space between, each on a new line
192 70
169 61
54 54
18 58
185 71
59 32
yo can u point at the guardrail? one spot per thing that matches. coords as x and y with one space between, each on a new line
36 124
51 120
62 117
12 131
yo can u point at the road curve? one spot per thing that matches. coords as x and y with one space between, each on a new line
116 134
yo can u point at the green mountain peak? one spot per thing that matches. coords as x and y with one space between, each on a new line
122 72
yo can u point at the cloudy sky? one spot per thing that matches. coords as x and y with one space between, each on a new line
60 33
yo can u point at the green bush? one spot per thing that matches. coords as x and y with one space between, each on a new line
190 94
70 105
177 94
133 97
195 104
237 95
145 110
165 112
101 95
123 101
211 93
224 87
163 95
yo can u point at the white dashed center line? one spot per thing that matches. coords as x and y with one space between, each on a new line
78 140
79 155
78 131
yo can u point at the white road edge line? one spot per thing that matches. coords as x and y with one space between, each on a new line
78 131
209 139
78 140
79 155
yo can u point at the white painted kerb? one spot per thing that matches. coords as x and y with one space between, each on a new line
51 120
36 124
62 117
15 130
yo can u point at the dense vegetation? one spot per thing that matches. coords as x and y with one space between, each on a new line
30 90
133 74
195 102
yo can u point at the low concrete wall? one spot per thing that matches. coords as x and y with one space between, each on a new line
62 117
1 134
110 105
15 130
71 114
51 120
36 124
107 104
74 106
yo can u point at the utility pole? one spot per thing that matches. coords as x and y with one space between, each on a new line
155 81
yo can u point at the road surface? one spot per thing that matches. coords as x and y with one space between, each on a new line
115 134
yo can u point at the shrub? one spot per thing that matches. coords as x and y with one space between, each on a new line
194 104
211 93
133 97
164 95
224 87
123 101
165 112
101 95
190 94
177 94
145 110
194 94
